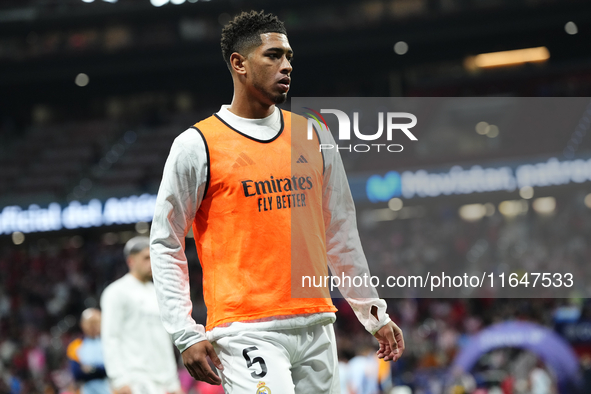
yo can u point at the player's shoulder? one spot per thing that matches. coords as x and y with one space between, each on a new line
72 350
299 124
212 119
189 141
295 118
117 288
192 137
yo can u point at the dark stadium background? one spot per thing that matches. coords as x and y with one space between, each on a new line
153 71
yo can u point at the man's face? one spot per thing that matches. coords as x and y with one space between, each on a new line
91 324
268 69
139 264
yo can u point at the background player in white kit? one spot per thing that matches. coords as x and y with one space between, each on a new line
282 353
138 353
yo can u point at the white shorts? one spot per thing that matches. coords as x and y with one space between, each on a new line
302 361
146 387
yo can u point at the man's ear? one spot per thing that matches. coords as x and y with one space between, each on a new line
237 63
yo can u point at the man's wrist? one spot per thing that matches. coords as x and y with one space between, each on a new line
191 343
381 324
188 336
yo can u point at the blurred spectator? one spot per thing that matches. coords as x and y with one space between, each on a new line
362 372
540 380
139 357
86 355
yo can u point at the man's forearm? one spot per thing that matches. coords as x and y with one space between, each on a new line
171 280
183 182
343 245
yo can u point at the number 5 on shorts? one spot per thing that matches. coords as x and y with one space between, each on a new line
259 360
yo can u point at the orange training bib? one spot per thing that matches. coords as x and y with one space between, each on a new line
261 213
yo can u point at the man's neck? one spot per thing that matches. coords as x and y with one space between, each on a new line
250 109
139 277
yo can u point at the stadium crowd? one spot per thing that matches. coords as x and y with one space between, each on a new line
46 283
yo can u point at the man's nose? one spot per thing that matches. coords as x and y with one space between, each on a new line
286 67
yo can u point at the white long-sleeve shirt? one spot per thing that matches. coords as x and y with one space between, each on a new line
136 347
179 197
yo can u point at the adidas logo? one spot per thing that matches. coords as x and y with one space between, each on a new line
242 161
302 159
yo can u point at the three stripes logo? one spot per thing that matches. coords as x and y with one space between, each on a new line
243 160
302 159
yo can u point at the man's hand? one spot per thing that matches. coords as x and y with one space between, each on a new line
391 342
123 390
195 360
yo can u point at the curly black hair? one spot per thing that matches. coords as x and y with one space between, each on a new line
244 32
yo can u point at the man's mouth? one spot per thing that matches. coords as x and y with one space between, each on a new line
284 83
